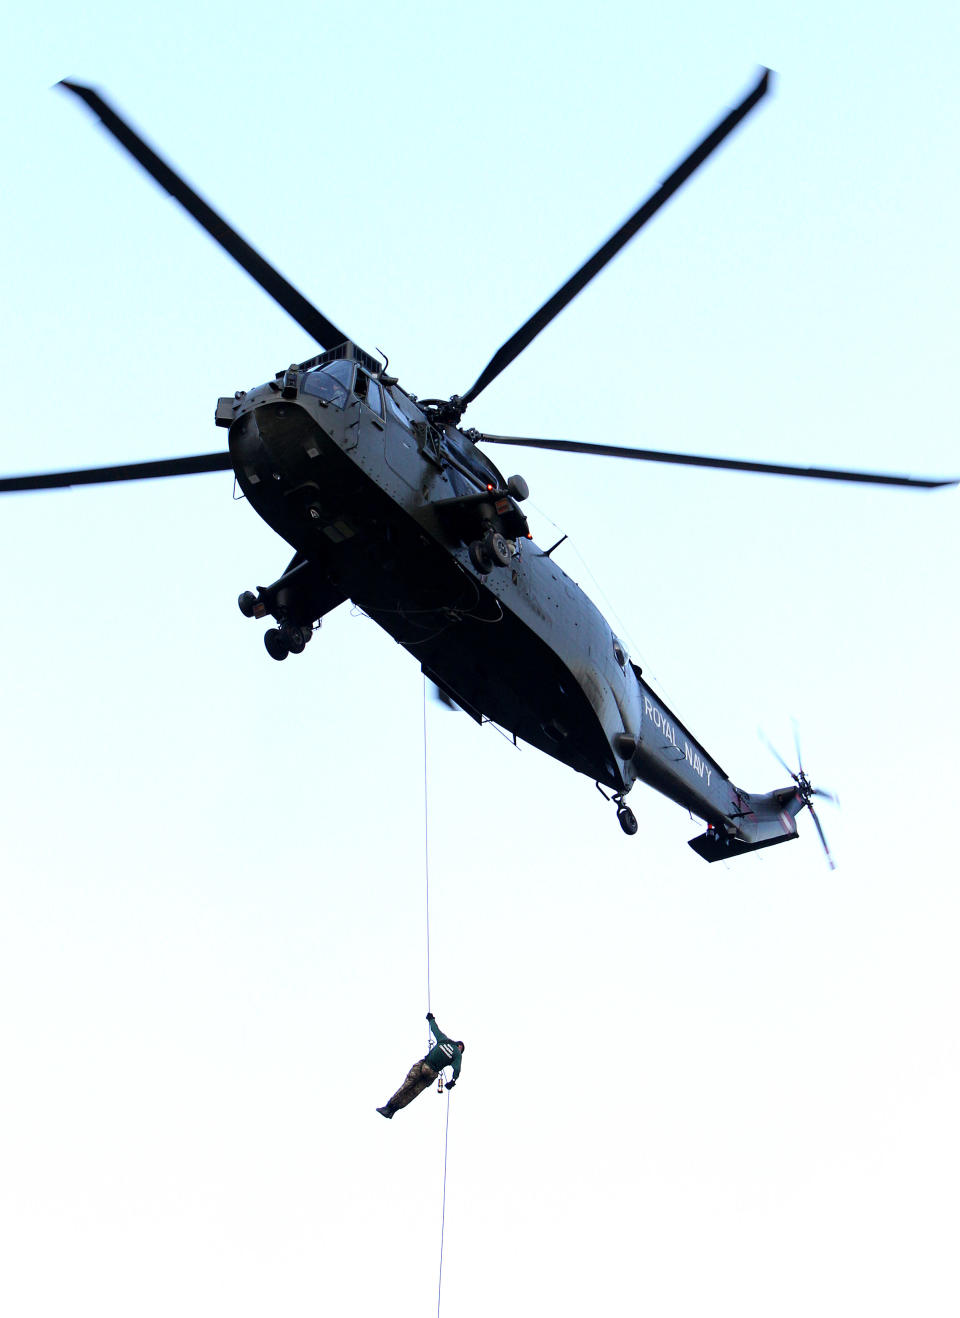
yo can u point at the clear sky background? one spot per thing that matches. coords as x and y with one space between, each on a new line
687 1089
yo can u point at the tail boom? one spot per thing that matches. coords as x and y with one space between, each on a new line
671 761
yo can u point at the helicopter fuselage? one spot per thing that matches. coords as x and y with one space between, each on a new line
388 506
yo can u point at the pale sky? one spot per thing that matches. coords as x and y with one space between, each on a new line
687 1089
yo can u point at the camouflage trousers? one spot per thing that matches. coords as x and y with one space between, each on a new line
418 1078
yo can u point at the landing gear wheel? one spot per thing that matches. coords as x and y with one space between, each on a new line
496 549
247 604
276 644
479 557
293 638
627 820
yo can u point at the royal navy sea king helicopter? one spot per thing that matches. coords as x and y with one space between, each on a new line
386 500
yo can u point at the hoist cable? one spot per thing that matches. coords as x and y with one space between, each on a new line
426 836
443 1212
426 867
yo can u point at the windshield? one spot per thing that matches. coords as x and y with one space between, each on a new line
323 383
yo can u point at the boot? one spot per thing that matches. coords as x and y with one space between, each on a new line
386 1111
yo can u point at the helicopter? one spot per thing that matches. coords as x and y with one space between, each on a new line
389 502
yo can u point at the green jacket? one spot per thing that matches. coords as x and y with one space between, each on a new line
444 1053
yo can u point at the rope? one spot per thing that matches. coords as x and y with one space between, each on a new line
443 1213
426 866
426 837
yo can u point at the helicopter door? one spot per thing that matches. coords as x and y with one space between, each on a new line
402 451
370 422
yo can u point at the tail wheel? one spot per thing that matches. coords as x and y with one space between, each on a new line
627 820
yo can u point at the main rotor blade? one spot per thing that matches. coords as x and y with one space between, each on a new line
578 281
727 464
303 312
133 471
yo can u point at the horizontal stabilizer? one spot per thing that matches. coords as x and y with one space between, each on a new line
712 845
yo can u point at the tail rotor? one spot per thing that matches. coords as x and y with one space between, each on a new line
805 790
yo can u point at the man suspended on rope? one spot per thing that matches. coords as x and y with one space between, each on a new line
445 1052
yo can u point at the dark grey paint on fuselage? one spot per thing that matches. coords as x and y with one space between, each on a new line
355 493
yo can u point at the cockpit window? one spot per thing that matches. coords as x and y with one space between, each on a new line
368 391
373 399
395 410
327 382
619 653
342 371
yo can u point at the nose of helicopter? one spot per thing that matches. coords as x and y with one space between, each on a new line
291 471
276 441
